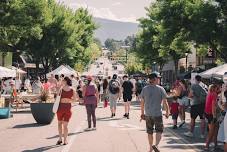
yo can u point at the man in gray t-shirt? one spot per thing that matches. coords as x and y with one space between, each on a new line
152 96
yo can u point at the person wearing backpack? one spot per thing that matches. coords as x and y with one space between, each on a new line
139 87
114 94
198 94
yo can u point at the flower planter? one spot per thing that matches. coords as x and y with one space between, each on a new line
42 112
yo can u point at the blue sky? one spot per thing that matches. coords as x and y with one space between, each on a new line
121 10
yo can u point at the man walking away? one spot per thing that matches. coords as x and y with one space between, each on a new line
127 95
152 97
198 94
114 94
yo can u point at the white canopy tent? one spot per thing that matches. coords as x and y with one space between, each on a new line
19 71
63 70
217 72
5 72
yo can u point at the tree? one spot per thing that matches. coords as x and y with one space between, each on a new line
48 31
113 45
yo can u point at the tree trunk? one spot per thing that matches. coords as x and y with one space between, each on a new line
37 68
176 67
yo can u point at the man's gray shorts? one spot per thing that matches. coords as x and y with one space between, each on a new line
113 100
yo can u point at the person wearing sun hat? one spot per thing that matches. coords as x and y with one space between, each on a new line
91 97
152 97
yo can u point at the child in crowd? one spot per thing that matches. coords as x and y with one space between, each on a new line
174 111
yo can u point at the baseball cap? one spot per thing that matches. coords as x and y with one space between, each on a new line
154 75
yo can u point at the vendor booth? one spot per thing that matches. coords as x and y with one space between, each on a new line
217 72
63 69
5 104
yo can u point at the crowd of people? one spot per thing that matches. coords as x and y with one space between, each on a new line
207 102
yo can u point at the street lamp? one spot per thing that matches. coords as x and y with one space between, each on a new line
186 57
154 66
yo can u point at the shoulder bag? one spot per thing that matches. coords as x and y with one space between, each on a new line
57 102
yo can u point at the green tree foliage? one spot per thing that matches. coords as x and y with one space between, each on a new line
113 45
173 27
50 32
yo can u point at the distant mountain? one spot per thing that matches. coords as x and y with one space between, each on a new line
114 29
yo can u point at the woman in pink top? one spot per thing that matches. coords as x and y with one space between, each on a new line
210 113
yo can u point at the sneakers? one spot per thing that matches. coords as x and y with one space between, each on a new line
175 127
87 129
181 124
126 115
94 128
202 136
189 134
113 115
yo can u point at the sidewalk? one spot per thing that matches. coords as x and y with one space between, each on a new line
22 134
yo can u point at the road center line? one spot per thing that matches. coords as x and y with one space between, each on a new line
73 137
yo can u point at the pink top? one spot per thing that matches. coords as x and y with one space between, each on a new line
212 96
90 93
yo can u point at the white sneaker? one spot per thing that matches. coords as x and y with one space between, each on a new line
87 129
202 136
94 128
189 134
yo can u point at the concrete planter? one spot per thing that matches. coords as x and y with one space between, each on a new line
42 112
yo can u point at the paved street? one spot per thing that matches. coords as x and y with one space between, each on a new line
22 134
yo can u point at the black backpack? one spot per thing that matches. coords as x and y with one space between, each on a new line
114 87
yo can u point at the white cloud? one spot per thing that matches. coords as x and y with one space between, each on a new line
116 4
103 12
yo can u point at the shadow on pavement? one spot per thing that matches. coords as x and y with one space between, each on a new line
27 125
70 134
108 119
42 148
22 112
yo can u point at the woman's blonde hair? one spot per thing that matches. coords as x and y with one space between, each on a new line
212 87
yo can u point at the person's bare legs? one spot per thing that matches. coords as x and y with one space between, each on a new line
158 138
150 140
60 125
65 125
202 126
225 147
192 125
215 136
126 108
129 103
210 135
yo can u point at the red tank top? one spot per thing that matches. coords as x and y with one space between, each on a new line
67 94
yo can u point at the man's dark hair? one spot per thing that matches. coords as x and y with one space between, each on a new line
125 76
68 81
114 76
198 78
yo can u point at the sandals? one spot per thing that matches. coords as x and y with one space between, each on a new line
59 142
155 148
65 143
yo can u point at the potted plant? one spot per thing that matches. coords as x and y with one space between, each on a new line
42 108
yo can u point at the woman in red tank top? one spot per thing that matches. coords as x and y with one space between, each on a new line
64 113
